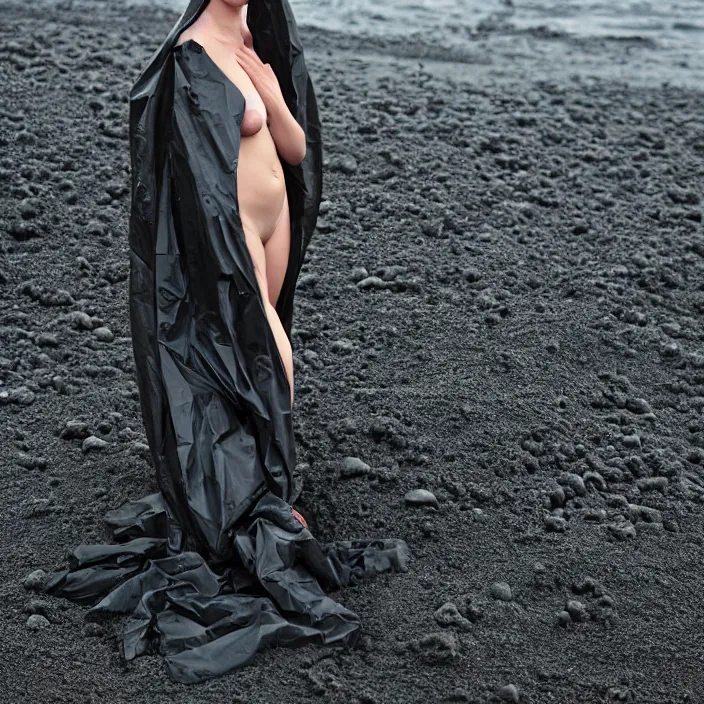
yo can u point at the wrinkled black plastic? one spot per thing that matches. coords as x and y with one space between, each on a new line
214 566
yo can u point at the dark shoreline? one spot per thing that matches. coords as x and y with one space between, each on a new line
532 352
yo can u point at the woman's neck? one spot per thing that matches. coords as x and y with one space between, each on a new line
223 23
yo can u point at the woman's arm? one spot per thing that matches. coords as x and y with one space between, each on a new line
287 134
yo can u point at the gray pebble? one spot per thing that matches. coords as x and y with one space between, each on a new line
501 591
81 320
354 467
74 429
358 273
574 481
652 484
92 630
421 497
448 615
22 396
372 282
632 441
342 345
93 443
596 479
622 530
36 621
104 334
638 405
577 610
346 164
557 498
31 462
140 449
509 693
643 513
471 274
47 339
35 580
37 606
555 524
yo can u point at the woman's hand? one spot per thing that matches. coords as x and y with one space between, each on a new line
288 135
263 78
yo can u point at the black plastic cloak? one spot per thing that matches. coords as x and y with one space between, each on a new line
214 566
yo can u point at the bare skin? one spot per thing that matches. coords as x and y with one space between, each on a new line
268 131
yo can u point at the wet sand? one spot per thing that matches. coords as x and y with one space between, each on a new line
503 305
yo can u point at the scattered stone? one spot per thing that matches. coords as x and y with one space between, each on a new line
37 606
421 497
557 498
595 478
555 524
622 530
35 580
563 618
471 274
652 484
372 282
36 621
509 693
104 334
47 339
631 441
31 462
345 164
638 405
93 443
74 429
501 591
141 449
577 610
448 615
643 513
358 273
92 630
574 481
438 648
81 320
354 467
22 396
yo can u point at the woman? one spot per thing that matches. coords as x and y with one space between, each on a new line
267 127
217 564
211 320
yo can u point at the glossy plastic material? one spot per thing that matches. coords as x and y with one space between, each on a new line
214 566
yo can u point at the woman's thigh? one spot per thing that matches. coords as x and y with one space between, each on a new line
276 251
256 251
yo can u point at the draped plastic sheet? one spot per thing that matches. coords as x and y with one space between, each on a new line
214 566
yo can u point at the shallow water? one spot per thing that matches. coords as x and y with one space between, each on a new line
670 20
653 42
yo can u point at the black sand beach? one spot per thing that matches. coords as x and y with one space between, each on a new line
503 305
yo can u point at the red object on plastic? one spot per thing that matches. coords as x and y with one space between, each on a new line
299 517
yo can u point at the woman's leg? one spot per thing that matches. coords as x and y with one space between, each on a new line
256 249
276 250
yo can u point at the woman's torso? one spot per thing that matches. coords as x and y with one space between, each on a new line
261 188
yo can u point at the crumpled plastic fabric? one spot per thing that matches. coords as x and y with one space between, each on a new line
214 566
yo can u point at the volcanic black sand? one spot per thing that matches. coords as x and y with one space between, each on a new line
503 305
